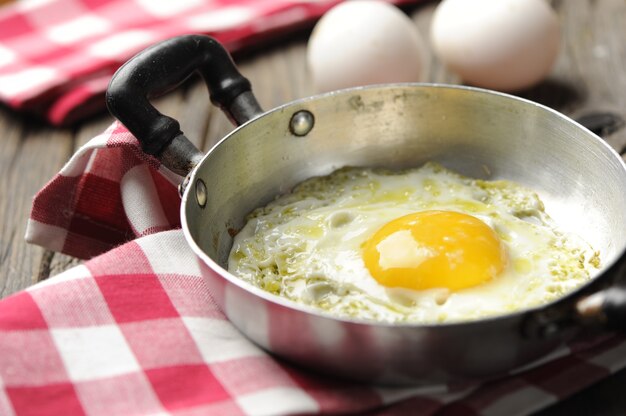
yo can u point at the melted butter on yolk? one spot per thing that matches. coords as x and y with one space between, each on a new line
431 249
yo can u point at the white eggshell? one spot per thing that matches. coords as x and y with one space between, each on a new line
364 42
506 45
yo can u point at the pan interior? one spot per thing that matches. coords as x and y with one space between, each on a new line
477 133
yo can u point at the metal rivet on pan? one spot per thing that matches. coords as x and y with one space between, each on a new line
201 195
301 123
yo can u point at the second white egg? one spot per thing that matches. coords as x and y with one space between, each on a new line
506 45
364 42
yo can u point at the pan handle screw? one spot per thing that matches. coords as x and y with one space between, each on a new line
201 193
301 123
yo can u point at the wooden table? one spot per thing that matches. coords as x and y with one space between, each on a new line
590 75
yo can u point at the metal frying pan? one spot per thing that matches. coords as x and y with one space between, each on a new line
580 179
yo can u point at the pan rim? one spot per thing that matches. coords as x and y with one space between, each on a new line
619 257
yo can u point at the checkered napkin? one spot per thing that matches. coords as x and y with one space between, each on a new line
57 56
135 330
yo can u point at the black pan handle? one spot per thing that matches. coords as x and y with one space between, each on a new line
603 309
161 68
600 306
606 308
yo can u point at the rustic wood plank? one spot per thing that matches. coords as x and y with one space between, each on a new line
595 33
31 154
589 74
197 109
297 70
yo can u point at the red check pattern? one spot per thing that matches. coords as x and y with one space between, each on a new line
57 56
105 339
135 330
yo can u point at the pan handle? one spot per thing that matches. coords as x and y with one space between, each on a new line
606 308
603 309
600 306
161 68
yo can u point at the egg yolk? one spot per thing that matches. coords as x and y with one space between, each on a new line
431 249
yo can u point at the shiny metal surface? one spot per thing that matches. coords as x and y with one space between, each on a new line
475 132
301 123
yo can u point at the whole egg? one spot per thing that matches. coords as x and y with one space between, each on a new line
505 45
364 42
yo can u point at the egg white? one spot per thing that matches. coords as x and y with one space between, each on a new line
307 245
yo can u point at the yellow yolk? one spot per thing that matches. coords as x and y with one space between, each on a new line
432 249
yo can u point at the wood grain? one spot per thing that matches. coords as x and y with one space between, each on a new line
31 155
589 76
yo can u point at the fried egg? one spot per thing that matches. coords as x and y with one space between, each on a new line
423 245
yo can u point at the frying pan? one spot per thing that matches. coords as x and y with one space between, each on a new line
478 133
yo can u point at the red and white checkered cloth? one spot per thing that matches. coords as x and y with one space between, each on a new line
135 330
57 56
